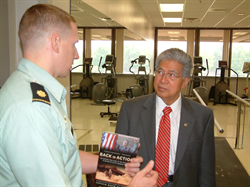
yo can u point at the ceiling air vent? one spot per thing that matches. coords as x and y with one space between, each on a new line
191 19
217 10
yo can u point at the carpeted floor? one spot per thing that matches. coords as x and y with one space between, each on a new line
229 170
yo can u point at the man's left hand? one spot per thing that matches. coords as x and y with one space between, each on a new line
133 166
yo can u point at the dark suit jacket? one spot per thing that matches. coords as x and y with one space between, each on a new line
195 156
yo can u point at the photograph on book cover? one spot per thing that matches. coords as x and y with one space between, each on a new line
115 151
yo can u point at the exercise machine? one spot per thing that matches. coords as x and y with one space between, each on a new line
87 83
198 81
246 69
198 78
220 94
141 86
99 90
107 89
109 77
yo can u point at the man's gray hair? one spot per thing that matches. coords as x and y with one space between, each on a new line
177 55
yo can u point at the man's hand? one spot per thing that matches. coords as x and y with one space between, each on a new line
133 166
146 177
135 140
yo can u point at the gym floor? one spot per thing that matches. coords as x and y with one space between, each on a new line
89 126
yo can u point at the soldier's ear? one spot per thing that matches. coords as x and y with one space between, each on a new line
55 42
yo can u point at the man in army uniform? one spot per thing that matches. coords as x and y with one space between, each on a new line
38 145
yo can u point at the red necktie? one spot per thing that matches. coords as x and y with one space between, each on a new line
163 147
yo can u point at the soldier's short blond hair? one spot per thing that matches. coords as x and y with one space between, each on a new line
41 20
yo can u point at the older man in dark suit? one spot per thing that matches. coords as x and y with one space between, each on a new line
189 159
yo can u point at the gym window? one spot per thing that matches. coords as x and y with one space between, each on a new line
240 51
211 45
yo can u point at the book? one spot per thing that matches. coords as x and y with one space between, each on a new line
115 151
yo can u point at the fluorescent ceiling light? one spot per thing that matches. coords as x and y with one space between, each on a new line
172 20
106 19
173 32
240 33
96 35
171 7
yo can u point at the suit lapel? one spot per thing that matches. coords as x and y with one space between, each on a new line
185 130
148 124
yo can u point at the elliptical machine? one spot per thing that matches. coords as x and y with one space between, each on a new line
141 86
220 94
198 81
87 83
109 78
107 89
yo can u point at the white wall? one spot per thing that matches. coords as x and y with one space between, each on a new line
11 12
4 43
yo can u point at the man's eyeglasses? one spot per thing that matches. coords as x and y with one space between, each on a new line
170 75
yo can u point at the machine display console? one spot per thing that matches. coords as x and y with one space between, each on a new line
88 60
142 59
246 67
109 59
222 63
198 60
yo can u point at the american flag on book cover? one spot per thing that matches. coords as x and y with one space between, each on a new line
108 141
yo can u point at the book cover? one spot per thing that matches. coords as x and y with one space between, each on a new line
115 151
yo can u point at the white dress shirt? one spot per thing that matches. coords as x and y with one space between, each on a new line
175 124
